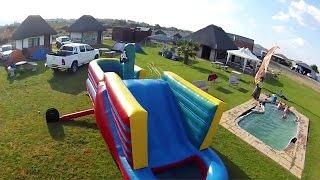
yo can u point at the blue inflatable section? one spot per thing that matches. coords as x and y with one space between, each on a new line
167 141
197 111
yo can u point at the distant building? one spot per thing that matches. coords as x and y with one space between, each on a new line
141 33
34 37
304 69
259 51
87 30
159 31
177 36
281 59
242 42
214 43
130 35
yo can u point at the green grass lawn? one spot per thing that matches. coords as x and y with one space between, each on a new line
29 148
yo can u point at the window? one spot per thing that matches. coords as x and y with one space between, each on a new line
66 48
34 41
65 39
82 49
89 48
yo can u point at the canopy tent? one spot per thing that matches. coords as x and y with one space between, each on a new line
244 53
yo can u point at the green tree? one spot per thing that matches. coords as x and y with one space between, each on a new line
187 49
315 68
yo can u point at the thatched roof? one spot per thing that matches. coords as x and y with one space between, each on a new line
33 25
86 23
214 37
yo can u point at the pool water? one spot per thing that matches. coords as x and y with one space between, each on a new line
270 127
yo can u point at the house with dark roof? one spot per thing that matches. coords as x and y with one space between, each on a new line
130 35
214 43
177 36
33 37
158 31
87 30
241 41
259 51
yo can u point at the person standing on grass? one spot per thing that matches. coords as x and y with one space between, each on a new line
257 90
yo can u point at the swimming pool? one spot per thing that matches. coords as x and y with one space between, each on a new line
270 127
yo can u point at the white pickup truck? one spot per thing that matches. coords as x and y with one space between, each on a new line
71 56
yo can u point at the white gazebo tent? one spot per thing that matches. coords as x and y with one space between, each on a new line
245 54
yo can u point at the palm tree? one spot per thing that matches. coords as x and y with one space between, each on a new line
187 49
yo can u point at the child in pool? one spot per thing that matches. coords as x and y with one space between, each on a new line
285 112
262 105
280 105
260 108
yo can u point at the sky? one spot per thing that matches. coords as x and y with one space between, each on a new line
293 25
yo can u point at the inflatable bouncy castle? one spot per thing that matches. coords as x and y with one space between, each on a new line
154 128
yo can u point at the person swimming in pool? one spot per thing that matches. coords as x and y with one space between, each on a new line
285 112
260 108
281 105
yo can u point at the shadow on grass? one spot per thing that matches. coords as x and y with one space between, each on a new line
223 76
234 171
67 82
202 70
246 82
243 90
56 131
273 82
142 52
25 73
191 61
223 90
81 123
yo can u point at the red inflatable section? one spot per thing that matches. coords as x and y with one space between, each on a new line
122 121
105 130
117 105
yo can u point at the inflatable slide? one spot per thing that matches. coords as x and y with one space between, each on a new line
155 128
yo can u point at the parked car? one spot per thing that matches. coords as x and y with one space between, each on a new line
5 52
62 40
71 56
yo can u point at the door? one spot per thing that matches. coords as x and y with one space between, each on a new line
47 41
205 54
82 55
90 52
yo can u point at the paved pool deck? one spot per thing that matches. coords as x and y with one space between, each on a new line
291 158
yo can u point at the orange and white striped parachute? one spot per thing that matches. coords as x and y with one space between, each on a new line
264 65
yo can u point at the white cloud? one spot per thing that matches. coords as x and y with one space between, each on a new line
281 16
305 14
298 42
278 28
282 1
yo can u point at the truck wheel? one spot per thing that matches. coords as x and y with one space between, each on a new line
52 115
74 67
96 57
